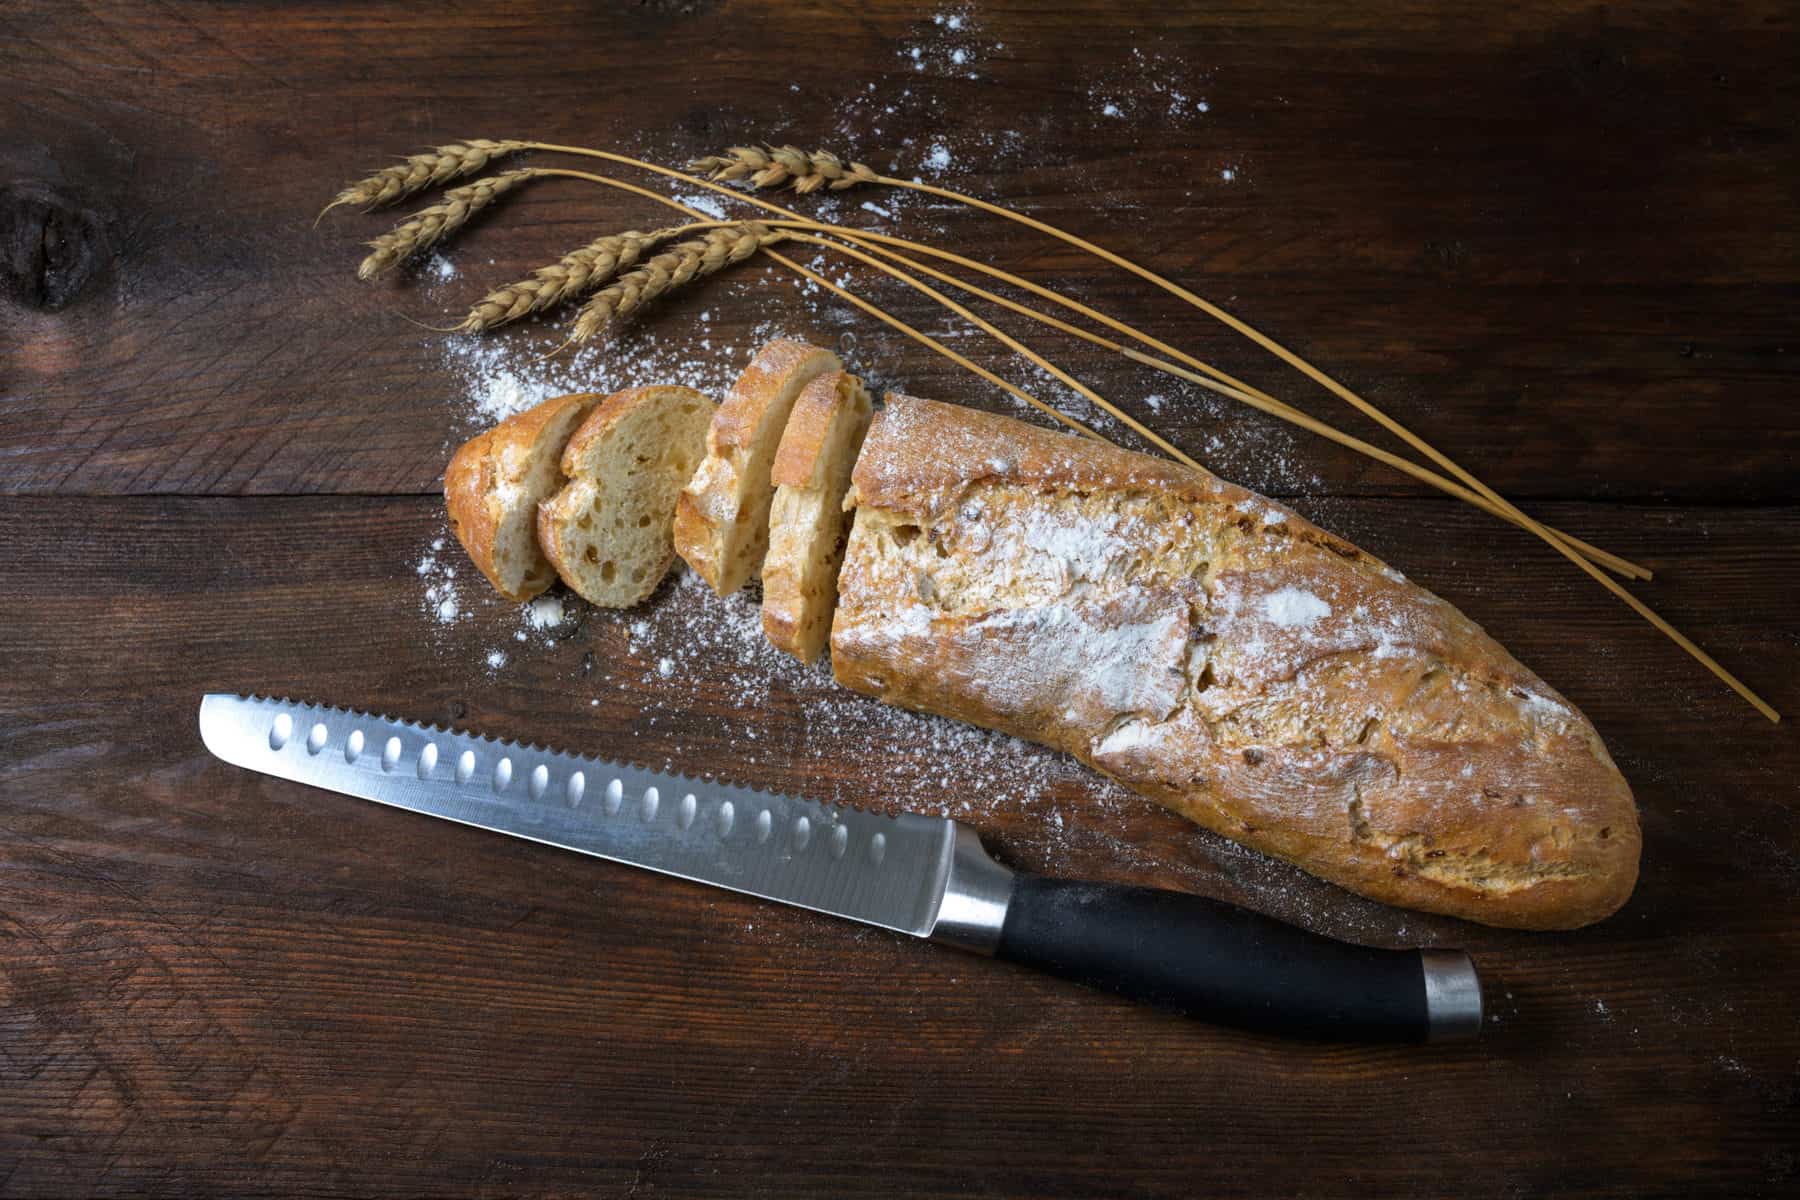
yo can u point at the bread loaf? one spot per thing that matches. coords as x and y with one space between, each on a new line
494 483
607 531
722 516
807 521
1217 653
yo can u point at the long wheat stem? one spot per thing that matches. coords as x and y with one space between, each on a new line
1254 400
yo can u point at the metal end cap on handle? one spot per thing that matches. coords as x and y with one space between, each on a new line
1452 996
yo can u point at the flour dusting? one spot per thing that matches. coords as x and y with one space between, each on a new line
1294 608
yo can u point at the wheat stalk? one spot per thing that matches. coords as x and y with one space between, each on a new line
775 165
697 257
420 171
429 226
575 274
745 164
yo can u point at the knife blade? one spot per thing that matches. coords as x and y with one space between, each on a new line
928 877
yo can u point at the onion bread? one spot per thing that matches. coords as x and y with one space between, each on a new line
607 531
722 516
494 483
807 521
1219 654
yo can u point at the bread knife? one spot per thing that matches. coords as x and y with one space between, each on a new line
924 876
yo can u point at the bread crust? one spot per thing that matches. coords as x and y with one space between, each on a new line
1219 654
823 434
475 483
708 520
800 460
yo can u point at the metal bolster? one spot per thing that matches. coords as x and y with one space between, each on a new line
977 891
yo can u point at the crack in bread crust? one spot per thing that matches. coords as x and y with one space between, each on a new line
1222 656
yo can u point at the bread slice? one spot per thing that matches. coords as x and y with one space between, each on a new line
807 521
607 531
1219 654
492 488
722 517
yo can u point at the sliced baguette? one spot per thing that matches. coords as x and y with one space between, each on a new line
722 516
607 531
807 521
494 483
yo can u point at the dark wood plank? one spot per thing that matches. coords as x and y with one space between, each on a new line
216 983
1556 239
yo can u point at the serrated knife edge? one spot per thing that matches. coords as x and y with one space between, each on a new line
889 871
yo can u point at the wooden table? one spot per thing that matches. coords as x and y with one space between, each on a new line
1558 239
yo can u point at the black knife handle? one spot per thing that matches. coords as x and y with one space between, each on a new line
1235 967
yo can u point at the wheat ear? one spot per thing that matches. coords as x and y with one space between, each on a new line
429 226
695 258
430 169
776 165
575 274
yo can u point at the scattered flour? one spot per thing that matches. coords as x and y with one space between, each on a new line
439 601
545 612
1148 88
710 203
950 47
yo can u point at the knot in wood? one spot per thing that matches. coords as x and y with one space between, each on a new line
51 247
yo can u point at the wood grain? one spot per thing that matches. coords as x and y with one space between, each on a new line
1558 240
